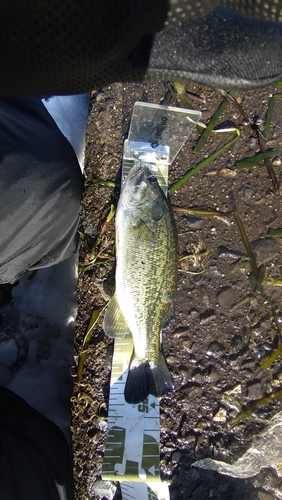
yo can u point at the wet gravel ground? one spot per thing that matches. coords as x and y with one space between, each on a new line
220 330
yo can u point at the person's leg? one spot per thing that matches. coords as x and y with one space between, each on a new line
35 459
41 187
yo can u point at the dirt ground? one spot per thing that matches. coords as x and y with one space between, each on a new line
221 329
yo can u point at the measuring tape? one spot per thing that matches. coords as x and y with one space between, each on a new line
132 453
133 440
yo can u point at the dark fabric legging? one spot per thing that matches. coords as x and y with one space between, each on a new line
40 189
35 460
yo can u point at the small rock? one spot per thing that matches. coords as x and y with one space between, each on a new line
207 316
235 391
237 341
215 347
254 391
214 271
248 364
194 391
245 193
213 376
227 252
198 378
265 249
195 222
194 313
175 457
227 172
170 359
252 141
220 416
226 297
276 162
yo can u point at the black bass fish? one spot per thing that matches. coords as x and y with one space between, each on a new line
146 277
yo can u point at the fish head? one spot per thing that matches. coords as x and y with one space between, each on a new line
142 193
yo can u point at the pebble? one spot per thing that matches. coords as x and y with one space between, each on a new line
175 457
227 172
245 193
276 162
265 249
207 316
197 377
213 376
249 364
252 141
226 297
221 415
194 314
214 271
170 359
215 347
237 341
194 391
235 391
254 391
195 222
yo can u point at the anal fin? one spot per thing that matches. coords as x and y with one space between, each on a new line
114 324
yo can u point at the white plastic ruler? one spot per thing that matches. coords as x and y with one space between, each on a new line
133 440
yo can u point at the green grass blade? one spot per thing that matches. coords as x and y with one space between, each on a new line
253 407
203 213
274 232
253 161
202 164
268 361
93 320
268 116
248 248
212 123
104 182
183 97
269 113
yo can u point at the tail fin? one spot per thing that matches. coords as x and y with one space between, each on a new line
147 377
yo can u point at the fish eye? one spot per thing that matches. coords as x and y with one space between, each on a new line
151 178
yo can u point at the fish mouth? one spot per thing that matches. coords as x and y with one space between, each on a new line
136 171
141 174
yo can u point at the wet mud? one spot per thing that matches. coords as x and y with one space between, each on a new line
220 330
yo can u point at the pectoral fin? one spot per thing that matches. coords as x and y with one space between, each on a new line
114 324
144 234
